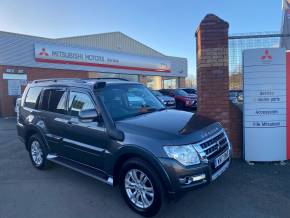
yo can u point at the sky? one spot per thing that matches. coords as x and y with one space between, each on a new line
167 26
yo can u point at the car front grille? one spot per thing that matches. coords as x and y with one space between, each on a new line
214 145
170 103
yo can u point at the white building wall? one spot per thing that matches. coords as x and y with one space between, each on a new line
115 41
18 50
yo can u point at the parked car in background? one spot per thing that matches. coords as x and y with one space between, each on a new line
149 151
168 101
236 96
134 100
189 90
17 105
184 101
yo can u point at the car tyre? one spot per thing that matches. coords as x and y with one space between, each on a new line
38 152
152 190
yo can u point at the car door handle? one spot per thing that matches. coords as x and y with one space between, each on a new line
71 123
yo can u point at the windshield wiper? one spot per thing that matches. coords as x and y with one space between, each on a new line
149 110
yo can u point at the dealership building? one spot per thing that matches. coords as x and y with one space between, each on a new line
24 58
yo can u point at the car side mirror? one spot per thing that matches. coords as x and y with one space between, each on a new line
89 114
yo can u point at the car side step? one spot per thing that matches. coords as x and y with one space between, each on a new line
81 168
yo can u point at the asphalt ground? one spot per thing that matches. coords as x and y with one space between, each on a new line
261 190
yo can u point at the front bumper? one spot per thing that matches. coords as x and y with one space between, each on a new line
192 105
203 173
170 104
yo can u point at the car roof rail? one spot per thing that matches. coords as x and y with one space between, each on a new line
104 78
59 80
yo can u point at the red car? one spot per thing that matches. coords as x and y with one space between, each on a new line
183 100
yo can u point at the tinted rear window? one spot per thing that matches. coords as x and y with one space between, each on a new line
32 97
54 100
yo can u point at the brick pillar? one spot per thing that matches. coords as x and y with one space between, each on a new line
213 69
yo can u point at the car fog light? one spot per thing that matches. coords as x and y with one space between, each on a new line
190 179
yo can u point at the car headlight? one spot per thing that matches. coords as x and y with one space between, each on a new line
185 154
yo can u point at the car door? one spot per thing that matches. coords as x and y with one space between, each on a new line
84 141
54 115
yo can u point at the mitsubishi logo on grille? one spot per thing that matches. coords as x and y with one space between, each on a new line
218 145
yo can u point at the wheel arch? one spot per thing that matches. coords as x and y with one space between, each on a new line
129 152
32 130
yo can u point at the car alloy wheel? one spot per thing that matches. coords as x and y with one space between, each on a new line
139 188
36 153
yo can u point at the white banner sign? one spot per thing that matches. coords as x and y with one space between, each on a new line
265 104
51 53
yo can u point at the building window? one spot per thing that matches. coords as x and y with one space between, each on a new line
170 83
154 82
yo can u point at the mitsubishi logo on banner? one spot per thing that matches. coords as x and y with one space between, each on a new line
266 55
59 54
43 52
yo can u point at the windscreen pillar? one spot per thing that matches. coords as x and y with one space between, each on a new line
213 70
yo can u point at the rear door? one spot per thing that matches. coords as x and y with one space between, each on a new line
84 141
54 114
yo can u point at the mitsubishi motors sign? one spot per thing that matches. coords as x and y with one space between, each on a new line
59 54
265 105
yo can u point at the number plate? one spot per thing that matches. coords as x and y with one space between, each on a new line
222 158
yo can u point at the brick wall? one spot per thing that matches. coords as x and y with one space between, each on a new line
213 76
7 103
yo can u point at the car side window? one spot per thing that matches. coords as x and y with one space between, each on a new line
79 101
54 100
32 97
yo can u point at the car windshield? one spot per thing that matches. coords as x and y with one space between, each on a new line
181 92
233 94
129 100
190 91
157 93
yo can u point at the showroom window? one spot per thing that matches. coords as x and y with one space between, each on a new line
154 82
170 83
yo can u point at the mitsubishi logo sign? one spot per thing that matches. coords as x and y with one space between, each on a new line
43 52
266 104
59 54
266 55
218 145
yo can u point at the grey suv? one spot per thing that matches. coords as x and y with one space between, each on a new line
96 128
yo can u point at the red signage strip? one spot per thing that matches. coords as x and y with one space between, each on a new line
288 104
99 65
